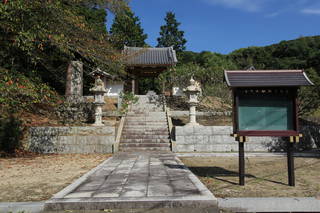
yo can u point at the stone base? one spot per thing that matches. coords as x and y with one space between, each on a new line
86 139
190 138
98 125
192 124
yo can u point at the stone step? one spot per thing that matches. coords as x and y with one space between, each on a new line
145 126
128 119
145 135
164 121
145 145
142 149
145 112
147 115
141 136
144 132
150 119
146 105
145 141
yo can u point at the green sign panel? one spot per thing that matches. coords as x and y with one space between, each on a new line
265 113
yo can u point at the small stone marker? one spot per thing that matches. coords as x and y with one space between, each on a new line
74 84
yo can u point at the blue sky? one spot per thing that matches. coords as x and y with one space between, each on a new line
226 25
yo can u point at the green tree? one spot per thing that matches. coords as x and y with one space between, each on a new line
39 38
126 30
170 35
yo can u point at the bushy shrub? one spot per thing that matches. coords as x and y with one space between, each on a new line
18 92
10 134
127 99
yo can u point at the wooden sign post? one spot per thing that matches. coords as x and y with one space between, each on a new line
265 104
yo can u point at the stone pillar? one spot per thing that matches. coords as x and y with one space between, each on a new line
192 114
74 84
133 86
98 115
136 86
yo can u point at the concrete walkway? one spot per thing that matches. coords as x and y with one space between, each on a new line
135 180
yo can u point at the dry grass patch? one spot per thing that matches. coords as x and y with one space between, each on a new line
37 178
265 177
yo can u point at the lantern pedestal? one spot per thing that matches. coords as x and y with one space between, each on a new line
192 115
98 114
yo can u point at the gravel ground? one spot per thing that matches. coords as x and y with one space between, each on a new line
265 176
37 178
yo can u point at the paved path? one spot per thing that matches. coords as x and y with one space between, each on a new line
135 180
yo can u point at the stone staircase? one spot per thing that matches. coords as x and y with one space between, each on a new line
145 128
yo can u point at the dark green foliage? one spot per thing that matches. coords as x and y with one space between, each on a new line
302 53
96 17
146 84
10 133
127 99
126 30
39 38
170 35
20 92
206 67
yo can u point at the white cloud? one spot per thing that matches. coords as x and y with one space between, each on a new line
311 11
271 8
274 14
247 5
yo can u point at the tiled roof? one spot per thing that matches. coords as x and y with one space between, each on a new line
137 56
266 78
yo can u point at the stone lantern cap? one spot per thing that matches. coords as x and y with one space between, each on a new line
194 86
98 86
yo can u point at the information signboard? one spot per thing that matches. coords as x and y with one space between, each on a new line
265 113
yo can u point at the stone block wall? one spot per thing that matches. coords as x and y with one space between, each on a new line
71 139
217 139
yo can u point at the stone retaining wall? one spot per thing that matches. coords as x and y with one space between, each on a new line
71 139
199 114
218 139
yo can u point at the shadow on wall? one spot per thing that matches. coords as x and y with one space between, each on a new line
309 142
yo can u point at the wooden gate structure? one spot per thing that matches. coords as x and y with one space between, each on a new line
148 62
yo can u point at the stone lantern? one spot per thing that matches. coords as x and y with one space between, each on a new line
193 92
98 90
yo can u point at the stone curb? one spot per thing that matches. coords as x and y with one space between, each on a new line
270 204
235 154
26 207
